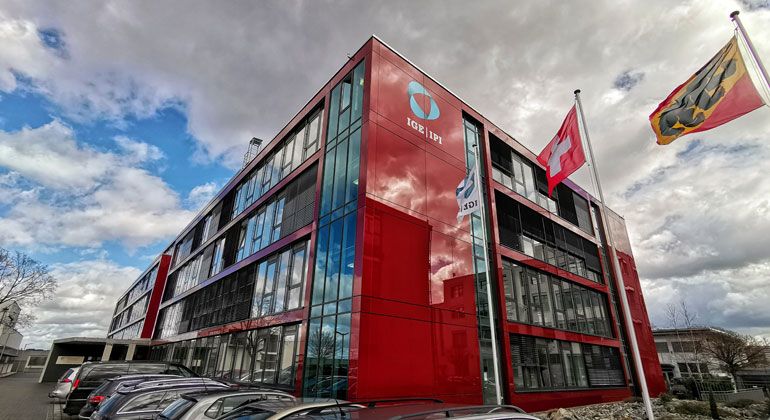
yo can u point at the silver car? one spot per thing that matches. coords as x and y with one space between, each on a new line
216 403
64 385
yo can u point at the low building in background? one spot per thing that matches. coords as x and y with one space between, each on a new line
333 264
30 360
74 351
10 339
682 355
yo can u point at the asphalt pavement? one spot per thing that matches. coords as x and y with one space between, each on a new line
22 398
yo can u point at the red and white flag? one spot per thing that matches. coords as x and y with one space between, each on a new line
564 154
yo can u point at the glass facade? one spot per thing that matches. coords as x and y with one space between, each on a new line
527 231
541 364
269 286
290 210
327 355
534 297
529 180
280 281
472 136
263 356
284 158
133 307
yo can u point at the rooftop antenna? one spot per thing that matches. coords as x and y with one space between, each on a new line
252 151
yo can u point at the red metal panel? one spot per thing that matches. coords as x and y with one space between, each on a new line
157 294
409 342
642 328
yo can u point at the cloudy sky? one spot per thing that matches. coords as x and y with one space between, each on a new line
118 120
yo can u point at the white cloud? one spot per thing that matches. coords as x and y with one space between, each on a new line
77 196
139 151
201 195
84 302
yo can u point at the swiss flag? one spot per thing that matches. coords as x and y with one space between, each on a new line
564 154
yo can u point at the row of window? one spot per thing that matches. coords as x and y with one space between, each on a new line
517 173
284 158
302 143
534 297
291 209
134 312
544 364
264 356
271 285
144 284
676 347
128 333
525 230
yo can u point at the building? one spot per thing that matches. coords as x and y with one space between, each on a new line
681 355
30 360
70 352
10 339
136 310
333 263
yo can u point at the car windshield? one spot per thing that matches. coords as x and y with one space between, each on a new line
176 409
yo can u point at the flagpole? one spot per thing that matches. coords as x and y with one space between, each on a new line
490 305
742 30
618 275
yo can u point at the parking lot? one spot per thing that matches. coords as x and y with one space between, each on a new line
21 397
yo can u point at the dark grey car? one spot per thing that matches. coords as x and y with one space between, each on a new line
216 403
145 402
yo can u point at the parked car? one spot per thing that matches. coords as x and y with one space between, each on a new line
64 385
145 402
393 409
92 374
108 387
216 403
279 409
477 412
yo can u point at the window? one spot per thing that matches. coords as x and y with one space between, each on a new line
327 358
291 210
144 402
534 297
683 347
546 364
279 282
287 156
527 231
216 259
265 355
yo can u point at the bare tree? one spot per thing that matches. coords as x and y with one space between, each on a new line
735 352
681 316
24 281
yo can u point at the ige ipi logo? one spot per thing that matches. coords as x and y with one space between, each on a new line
415 88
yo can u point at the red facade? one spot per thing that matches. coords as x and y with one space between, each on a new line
414 325
417 288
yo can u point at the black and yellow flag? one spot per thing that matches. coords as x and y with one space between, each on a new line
719 92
